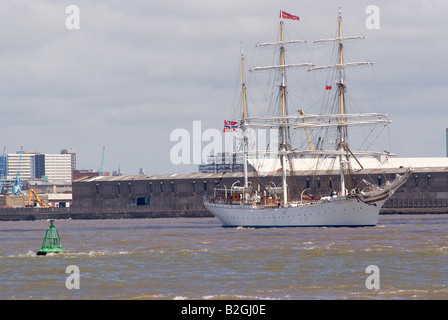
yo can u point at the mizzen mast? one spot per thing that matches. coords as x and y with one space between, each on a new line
243 122
343 160
343 149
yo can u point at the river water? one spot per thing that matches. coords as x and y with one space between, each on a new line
406 257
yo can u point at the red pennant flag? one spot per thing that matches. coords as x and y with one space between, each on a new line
327 87
286 15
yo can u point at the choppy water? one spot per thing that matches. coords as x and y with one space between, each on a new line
197 259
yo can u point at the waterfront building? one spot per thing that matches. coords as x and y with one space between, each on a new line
426 191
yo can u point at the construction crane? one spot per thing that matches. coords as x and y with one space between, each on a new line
42 204
102 163
309 138
2 169
17 187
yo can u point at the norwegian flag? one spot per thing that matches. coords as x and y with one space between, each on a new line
286 15
230 126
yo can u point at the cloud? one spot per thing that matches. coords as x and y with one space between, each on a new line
136 70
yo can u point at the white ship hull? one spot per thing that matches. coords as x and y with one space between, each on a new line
335 213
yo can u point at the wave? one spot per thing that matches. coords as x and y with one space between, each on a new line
32 254
305 247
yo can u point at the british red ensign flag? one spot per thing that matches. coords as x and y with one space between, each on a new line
286 15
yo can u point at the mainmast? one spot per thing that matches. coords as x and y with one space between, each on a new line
341 69
283 129
343 160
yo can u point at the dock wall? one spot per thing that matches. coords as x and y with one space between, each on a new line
170 196
18 214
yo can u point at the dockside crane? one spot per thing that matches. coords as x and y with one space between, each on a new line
17 187
2 169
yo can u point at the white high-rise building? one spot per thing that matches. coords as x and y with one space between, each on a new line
72 152
23 163
53 166
33 164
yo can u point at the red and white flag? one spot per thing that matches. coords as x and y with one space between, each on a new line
286 15
230 126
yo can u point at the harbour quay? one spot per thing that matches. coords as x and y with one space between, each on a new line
182 195
425 192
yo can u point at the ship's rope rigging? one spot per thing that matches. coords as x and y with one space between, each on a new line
264 101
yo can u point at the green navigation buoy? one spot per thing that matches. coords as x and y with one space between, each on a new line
52 241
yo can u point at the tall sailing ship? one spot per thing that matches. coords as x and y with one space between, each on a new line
278 206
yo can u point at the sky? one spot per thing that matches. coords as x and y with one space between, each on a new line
135 71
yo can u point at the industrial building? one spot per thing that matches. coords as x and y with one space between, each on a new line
425 192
